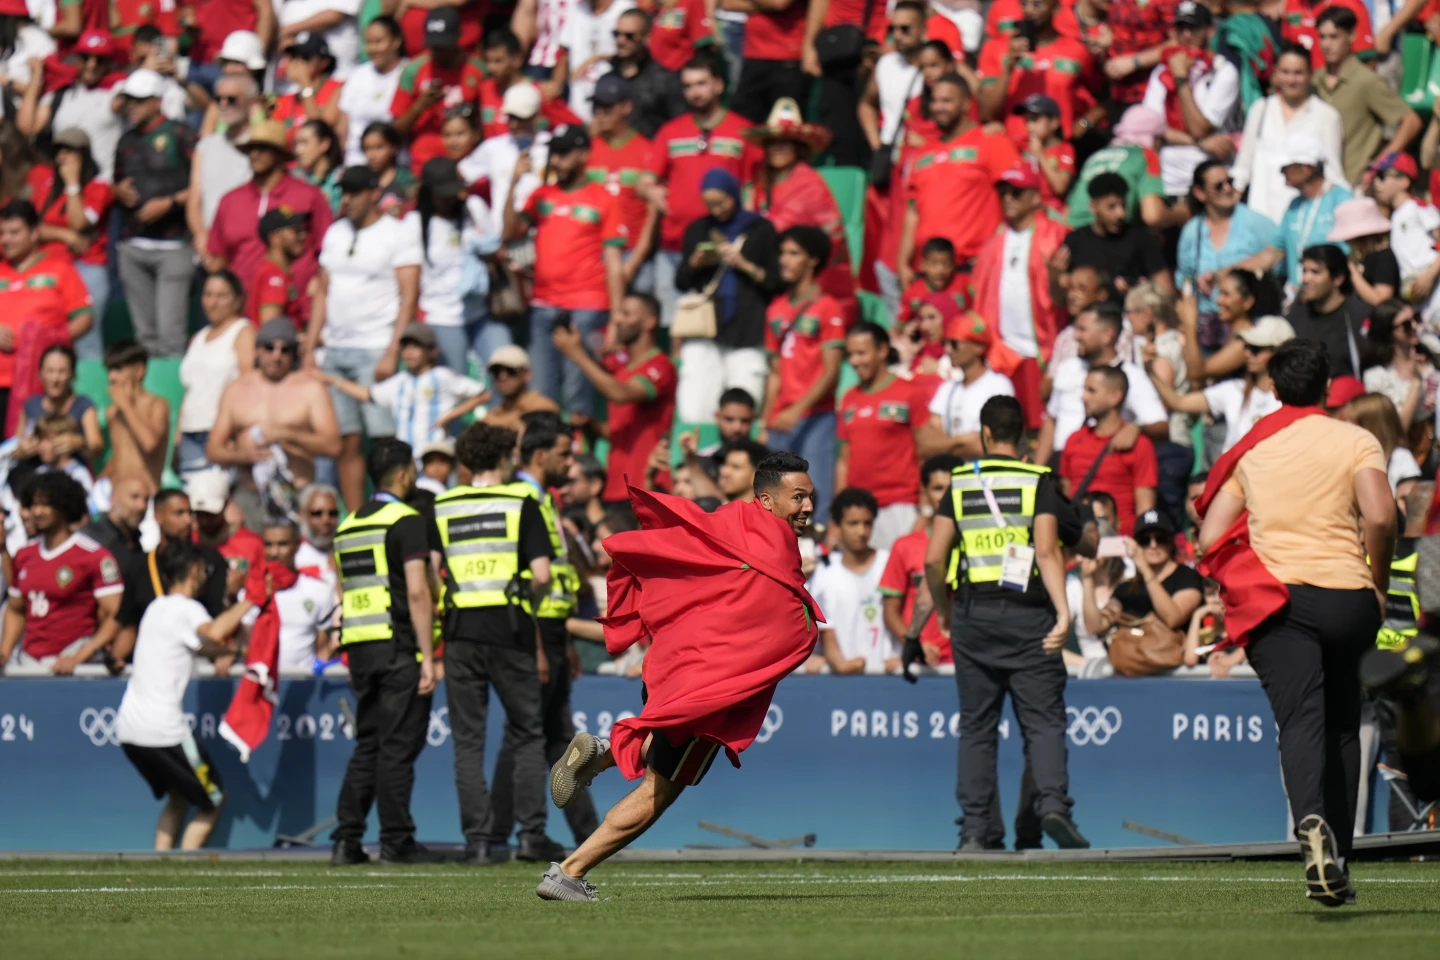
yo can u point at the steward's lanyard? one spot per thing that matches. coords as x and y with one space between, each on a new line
990 500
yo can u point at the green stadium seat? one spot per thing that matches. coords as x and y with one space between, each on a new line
872 309
848 184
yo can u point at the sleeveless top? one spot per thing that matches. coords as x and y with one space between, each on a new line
207 369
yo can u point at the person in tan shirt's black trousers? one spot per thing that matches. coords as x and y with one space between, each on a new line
1319 505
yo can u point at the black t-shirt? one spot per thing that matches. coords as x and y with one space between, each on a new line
1048 500
405 540
1381 267
509 627
1340 330
1134 253
1134 596
140 586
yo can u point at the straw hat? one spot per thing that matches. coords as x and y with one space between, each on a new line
267 133
786 123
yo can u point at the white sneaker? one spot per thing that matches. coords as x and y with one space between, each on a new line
574 771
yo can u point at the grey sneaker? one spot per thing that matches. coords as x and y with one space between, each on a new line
574 771
1325 880
555 885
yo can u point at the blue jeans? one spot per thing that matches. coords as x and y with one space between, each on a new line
665 263
480 334
644 281
191 452
552 374
734 35
814 439
97 282
357 365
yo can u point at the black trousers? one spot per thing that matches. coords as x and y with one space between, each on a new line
839 96
559 729
762 82
471 668
391 720
996 643
1307 657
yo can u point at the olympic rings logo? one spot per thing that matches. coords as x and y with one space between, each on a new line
1092 725
439 730
774 720
99 725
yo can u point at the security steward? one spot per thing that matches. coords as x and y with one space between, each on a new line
546 457
1010 619
493 532
1402 603
383 556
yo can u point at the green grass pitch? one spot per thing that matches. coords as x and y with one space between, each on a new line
215 910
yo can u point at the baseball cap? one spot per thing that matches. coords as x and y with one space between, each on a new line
418 333
1394 160
279 218
74 138
1268 332
567 137
445 448
610 90
245 47
521 100
1342 391
308 44
1302 148
1023 177
967 327
143 84
96 43
1193 14
279 330
510 356
355 179
442 177
1153 521
442 28
208 490
1038 103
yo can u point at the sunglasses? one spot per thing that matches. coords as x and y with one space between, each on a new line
1253 350
1153 540
905 27
1408 326
324 513
624 35
499 371
227 101
280 345
1222 184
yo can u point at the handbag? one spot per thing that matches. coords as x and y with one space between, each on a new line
842 45
695 317
1143 646
882 161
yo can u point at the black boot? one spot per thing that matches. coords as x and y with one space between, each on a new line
348 853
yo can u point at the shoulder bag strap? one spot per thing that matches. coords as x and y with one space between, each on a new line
1094 467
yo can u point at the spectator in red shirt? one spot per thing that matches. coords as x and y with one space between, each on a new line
308 65
686 149
950 191
1140 31
903 583
876 434
938 274
272 290
805 337
579 239
619 157
638 382
214 20
65 585
779 53
438 80
1046 150
1130 476
209 492
504 63
1041 60
679 28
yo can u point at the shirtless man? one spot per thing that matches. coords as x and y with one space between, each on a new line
510 383
273 423
139 421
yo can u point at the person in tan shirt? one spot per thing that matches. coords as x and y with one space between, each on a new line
1319 504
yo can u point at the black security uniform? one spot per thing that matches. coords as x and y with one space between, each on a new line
996 636
491 534
372 547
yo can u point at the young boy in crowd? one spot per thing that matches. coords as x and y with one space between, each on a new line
139 423
903 582
272 290
423 397
847 586
938 274
1051 154
437 463
150 723
60 436
1414 229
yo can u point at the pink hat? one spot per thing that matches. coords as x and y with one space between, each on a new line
1139 126
1360 217
1023 177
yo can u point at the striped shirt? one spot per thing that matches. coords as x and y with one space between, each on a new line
417 400
550 17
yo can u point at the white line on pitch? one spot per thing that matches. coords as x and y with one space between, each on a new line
257 886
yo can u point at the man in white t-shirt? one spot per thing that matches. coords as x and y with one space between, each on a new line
86 104
954 425
150 723
318 508
1097 330
494 160
587 42
854 638
370 89
896 77
368 289
307 609
1414 230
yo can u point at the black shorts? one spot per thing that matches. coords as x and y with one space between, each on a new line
685 764
184 769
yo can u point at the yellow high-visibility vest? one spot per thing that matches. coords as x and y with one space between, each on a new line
365 604
982 540
1402 605
564 593
480 528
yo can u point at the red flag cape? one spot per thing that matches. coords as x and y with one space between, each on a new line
247 721
722 597
1250 591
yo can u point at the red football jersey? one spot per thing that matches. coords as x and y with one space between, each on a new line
904 573
618 167
799 334
635 428
879 427
60 588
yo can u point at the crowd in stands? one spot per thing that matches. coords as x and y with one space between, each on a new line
241 239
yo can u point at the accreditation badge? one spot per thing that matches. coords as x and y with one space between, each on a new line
1015 568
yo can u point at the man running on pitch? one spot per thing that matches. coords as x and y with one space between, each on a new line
722 597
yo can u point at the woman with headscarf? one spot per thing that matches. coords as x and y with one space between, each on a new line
789 192
743 248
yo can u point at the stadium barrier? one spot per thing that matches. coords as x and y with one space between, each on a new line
862 763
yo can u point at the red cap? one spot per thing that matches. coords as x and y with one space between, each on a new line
967 327
14 8
1342 391
1402 162
1023 177
97 43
